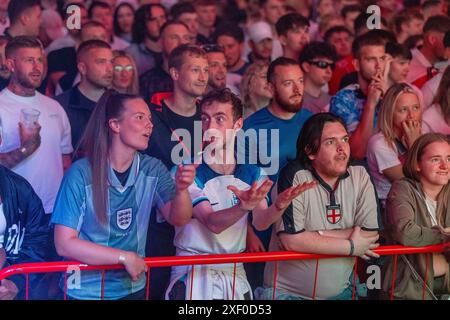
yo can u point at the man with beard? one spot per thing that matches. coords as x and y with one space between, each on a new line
145 49
94 63
173 139
431 57
272 131
284 114
44 169
357 104
339 217
260 42
223 194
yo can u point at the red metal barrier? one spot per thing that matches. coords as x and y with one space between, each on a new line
49 267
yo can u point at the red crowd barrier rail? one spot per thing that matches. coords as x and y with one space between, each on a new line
63 266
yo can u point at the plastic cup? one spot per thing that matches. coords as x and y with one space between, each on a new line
29 117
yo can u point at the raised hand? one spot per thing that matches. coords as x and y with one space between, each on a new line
411 131
250 198
184 176
285 198
8 290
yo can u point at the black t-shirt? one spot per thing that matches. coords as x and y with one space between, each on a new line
64 60
161 145
79 109
123 176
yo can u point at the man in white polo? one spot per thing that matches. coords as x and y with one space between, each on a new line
338 217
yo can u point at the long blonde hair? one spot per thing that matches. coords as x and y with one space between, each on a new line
134 86
386 116
246 93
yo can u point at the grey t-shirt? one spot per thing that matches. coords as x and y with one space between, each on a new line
316 104
352 203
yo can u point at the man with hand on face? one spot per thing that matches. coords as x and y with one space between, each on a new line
339 217
357 104
223 193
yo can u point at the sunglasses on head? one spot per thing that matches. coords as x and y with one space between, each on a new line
119 68
323 64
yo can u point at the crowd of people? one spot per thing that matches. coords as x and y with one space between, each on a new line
151 128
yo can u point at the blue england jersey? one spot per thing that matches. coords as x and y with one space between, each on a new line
149 184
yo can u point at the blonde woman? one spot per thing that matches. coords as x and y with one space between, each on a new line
418 214
125 76
399 125
255 91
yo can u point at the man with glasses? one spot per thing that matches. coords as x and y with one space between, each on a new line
317 61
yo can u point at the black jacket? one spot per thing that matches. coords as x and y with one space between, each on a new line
27 231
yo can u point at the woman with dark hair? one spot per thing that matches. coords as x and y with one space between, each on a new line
123 21
418 214
103 207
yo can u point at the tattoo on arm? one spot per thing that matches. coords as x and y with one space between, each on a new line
12 158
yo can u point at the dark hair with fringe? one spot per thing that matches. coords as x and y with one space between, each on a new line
308 141
224 96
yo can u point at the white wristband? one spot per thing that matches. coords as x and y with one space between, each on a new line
320 232
121 259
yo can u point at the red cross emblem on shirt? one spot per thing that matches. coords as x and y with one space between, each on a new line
334 213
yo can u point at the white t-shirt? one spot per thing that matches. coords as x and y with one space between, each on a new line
380 156
44 168
2 226
435 120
